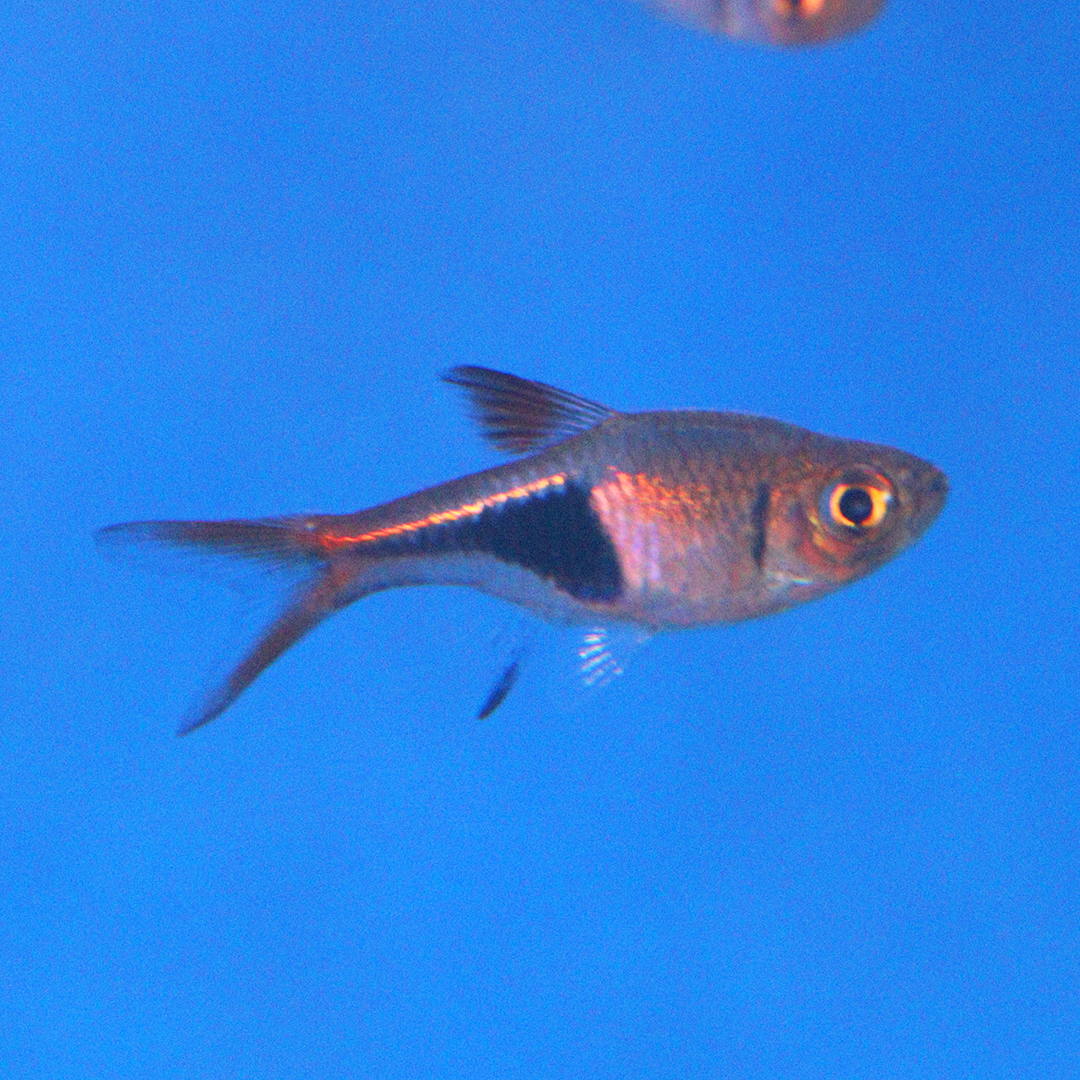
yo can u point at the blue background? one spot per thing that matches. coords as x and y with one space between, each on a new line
238 243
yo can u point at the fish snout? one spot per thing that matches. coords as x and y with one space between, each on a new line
929 490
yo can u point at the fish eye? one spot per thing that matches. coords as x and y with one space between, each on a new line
854 505
858 502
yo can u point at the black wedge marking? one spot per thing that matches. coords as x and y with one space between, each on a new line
558 536
554 533
759 520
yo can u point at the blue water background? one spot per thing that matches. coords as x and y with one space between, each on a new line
238 243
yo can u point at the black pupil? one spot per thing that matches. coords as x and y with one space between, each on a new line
856 505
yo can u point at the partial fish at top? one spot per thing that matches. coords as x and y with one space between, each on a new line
775 22
656 520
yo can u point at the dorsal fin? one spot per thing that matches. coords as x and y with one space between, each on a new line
520 416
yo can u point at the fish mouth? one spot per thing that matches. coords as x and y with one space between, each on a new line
930 489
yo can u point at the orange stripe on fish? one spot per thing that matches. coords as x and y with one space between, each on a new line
331 541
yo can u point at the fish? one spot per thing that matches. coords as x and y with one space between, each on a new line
775 22
653 521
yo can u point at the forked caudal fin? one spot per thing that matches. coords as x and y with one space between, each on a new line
279 542
320 598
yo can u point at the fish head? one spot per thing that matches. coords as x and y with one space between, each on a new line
791 22
849 508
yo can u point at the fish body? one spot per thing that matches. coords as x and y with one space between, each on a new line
659 520
776 22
